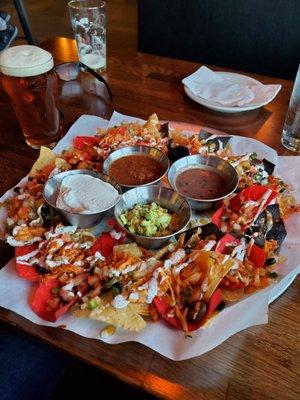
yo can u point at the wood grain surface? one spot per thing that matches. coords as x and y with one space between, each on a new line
261 362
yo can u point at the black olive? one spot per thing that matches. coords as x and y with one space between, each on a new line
17 189
192 316
270 261
221 306
177 152
41 270
188 249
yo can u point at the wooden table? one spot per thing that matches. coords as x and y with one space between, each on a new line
260 362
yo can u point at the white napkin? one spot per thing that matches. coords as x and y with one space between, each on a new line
211 86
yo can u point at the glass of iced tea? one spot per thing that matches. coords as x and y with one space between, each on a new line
28 77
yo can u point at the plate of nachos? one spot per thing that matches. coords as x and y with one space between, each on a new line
211 281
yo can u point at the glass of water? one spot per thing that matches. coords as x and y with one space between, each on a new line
88 19
291 130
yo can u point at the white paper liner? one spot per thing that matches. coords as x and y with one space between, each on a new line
251 310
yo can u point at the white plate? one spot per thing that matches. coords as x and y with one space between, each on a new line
235 78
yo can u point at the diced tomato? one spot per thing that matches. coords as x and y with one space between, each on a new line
80 141
42 303
105 244
121 130
24 269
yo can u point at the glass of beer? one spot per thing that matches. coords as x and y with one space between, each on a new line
28 77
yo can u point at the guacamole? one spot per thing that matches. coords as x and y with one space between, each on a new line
147 220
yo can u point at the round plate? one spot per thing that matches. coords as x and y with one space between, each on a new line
235 78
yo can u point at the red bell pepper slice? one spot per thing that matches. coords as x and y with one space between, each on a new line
225 242
27 271
214 301
163 307
41 301
257 255
80 141
105 244
254 193
24 269
216 218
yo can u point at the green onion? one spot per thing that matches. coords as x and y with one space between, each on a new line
93 303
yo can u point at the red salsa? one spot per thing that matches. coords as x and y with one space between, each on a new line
199 183
137 169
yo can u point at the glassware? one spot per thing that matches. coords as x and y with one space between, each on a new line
88 19
291 130
69 71
28 77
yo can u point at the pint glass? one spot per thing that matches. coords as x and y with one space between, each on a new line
88 19
28 77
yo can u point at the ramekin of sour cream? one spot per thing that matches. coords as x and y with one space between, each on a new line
83 197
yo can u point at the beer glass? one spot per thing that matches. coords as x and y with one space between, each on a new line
29 79
88 20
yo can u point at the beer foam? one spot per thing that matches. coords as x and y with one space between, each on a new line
25 60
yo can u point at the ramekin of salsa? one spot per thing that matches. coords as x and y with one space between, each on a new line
136 166
199 183
203 179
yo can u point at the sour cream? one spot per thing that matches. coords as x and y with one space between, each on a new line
85 194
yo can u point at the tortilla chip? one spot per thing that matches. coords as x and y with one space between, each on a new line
152 125
277 232
161 252
81 312
232 295
62 164
46 158
214 267
140 308
125 317
28 233
131 249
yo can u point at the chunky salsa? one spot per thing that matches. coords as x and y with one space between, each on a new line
137 169
199 183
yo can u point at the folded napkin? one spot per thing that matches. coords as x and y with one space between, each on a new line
211 86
